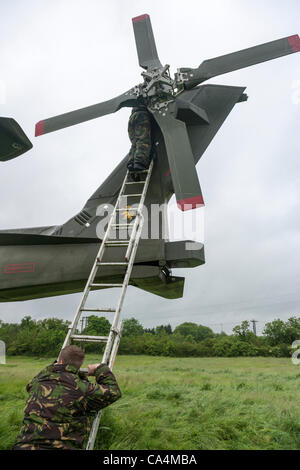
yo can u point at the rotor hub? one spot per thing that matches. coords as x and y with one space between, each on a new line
159 88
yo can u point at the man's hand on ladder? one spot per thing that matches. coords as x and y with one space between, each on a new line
92 368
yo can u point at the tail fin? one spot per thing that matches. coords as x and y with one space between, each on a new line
84 224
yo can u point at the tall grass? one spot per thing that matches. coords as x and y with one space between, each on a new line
189 403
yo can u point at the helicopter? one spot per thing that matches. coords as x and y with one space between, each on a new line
56 260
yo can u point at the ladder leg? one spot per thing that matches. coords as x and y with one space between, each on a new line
113 340
115 331
94 431
96 422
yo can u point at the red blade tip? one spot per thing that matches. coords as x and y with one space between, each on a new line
39 128
295 42
140 18
190 203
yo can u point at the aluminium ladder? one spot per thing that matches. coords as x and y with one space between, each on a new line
112 341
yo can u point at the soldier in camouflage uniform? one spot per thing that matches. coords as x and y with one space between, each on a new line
139 131
62 401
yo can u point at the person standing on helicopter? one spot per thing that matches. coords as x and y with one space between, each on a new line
139 131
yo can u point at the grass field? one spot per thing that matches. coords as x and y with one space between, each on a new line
189 403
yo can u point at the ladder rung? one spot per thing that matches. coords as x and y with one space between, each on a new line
111 264
131 195
111 246
121 225
117 243
92 339
121 240
106 285
135 182
128 209
98 309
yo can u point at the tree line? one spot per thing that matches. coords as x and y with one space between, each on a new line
43 338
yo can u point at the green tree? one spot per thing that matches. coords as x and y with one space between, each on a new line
280 332
243 331
186 329
97 326
149 330
163 329
132 327
198 332
54 324
203 332
27 322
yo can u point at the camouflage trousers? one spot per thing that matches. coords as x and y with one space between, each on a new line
139 131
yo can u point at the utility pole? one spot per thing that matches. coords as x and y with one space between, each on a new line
254 326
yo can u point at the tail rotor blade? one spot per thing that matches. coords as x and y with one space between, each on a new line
85 114
181 160
241 59
145 43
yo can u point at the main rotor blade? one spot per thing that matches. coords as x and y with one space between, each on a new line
181 160
85 114
145 43
241 59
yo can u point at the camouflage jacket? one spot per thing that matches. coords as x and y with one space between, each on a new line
60 404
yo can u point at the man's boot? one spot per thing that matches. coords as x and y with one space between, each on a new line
130 165
140 164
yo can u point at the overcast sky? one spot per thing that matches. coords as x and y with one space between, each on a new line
59 55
